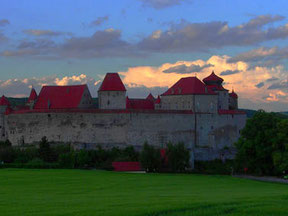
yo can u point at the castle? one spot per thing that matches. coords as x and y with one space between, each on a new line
202 115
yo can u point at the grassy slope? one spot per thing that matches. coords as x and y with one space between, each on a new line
80 192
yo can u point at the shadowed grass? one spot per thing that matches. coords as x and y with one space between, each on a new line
81 192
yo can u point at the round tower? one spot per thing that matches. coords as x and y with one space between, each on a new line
214 83
112 92
233 100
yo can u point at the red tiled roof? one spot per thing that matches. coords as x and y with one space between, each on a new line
233 94
212 77
60 97
33 95
150 97
216 88
139 104
231 112
188 85
4 101
112 82
158 100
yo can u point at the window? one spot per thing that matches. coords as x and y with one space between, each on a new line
108 102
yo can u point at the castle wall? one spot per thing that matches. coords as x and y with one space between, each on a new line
223 100
87 130
198 103
112 99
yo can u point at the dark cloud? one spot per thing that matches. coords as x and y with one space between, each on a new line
260 85
100 20
189 37
279 85
107 43
265 55
38 32
229 72
36 48
160 4
272 79
4 22
3 38
184 69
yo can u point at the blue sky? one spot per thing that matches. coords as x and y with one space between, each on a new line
55 41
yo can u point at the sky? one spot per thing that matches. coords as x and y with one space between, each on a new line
150 43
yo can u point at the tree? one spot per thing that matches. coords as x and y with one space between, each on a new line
178 157
259 145
150 158
45 152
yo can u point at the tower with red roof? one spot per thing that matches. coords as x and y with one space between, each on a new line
233 100
32 98
214 83
4 105
112 92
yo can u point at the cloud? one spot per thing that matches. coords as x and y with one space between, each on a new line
104 43
279 85
3 38
184 69
272 79
263 55
38 32
229 72
99 21
161 4
22 87
4 22
191 37
260 85
274 97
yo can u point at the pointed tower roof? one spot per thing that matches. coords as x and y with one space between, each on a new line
4 101
150 97
233 94
33 95
188 85
212 78
112 82
158 100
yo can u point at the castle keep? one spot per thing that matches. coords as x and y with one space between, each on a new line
203 115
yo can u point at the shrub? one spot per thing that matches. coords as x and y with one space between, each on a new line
150 158
178 157
67 160
214 167
45 151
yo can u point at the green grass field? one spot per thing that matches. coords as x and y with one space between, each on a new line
88 192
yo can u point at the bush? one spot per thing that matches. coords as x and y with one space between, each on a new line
150 158
178 157
45 151
214 167
67 160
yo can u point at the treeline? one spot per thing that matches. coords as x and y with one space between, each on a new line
263 145
47 155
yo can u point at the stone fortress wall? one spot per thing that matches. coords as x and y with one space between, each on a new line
202 116
214 132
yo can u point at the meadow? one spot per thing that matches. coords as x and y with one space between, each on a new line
89 192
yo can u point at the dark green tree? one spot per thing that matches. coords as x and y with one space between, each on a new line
150 158
45 151
178 157
255 146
